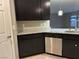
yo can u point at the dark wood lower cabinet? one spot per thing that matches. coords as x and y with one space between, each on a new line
70 44
33 44
30 45
71 48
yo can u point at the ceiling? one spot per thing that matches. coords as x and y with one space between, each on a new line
65 5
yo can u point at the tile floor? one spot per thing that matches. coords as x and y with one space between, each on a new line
44 56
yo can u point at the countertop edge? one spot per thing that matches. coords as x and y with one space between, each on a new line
47 32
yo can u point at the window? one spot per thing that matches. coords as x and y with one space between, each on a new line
73 21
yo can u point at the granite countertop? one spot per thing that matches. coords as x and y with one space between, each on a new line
61 31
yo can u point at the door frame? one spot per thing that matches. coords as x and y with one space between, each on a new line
9 10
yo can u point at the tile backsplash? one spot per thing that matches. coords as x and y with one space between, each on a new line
32 25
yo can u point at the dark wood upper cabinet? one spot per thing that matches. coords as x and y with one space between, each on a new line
31 10
45 5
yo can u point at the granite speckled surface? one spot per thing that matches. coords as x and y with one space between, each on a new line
62 31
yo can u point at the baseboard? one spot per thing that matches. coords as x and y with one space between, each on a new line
31 55
46 53
57 55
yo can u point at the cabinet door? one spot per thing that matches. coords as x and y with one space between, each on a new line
53 45
69 48
30 45
28 9
77 51
45 5
5 50
2 27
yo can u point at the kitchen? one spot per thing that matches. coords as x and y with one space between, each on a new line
40 29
